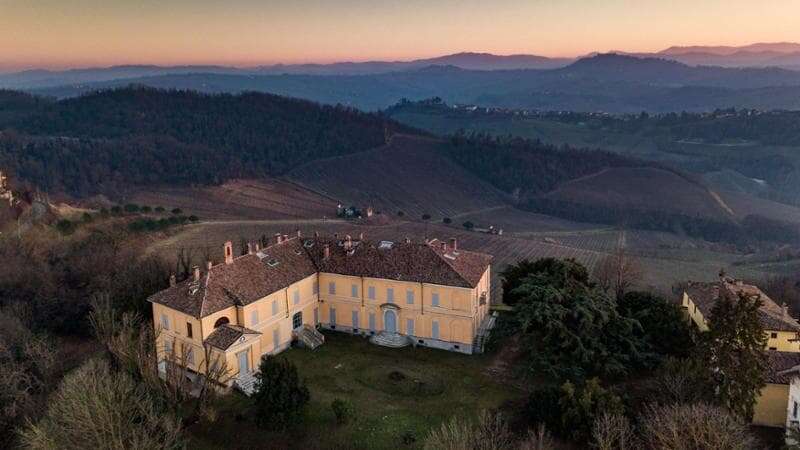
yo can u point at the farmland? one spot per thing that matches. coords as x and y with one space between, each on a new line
665 258
242 199
408 175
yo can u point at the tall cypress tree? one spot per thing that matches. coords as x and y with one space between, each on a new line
733 352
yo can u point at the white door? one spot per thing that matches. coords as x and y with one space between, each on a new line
390 321
244 363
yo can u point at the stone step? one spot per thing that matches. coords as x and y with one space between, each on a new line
393 340
246 383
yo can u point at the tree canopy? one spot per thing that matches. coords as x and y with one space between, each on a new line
570 327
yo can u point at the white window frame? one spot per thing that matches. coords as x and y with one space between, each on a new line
164 321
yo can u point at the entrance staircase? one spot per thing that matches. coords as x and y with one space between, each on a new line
393 340
309 337
483 332
245 382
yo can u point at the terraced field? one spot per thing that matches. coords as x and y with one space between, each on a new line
408 175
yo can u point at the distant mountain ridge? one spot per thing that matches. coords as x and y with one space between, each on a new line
726 50
605 82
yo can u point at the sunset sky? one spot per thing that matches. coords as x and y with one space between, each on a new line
79 33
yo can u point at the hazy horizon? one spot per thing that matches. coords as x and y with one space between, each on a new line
94 33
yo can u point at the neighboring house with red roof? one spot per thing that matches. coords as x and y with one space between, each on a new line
429 293
783 345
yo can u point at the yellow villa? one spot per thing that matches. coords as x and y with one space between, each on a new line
783 345
430 293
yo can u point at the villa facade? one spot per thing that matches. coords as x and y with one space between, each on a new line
430 293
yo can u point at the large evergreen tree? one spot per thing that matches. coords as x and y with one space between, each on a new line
570 327
733 352
280 395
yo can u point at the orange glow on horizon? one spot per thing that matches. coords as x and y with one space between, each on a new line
84 33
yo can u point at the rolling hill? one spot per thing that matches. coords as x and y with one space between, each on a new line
605 82
411 174
644 188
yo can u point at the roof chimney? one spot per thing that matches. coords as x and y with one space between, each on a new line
249 248
361 236
258 246
408 240
172 280
326 251
299 233
348 242
454 244
278 238
196 270
209 265
228 252
785 308
316 234
444 246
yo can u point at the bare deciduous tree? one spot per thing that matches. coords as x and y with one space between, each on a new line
618 272
98 408
132 344
538 439
695 426
614 432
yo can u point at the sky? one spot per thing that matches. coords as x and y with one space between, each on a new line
81 33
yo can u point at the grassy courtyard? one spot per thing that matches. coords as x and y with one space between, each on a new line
398 396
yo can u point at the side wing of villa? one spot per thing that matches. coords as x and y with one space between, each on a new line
430 293
783 345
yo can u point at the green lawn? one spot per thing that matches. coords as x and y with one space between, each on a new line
398 395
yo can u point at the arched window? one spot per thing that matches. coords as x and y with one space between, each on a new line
221 321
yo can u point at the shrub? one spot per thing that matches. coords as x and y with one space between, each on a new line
468 225
193 218
159 209
343 410
65 226
146 209
131 208
447 220
177 211
426 217
116 210
86 217
400 214
280 395
582 405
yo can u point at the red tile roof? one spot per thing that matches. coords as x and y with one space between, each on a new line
778 365
254 276
773 317
226 335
